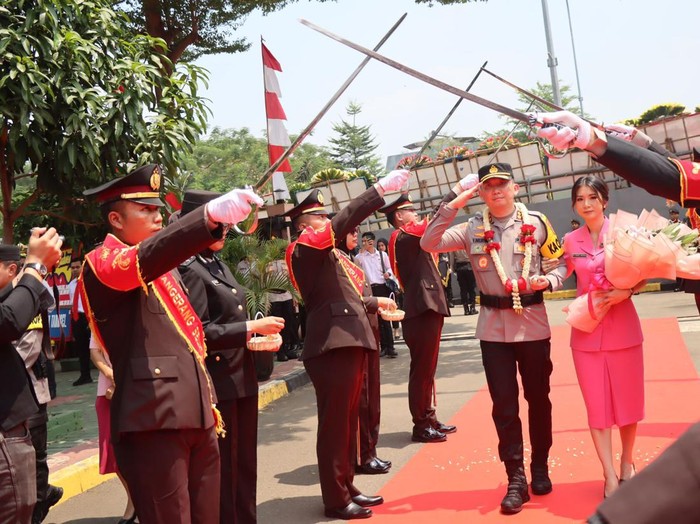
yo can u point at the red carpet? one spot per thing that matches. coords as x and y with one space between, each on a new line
463 480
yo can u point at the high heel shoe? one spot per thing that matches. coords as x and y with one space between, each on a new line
605 493
634 472
130 520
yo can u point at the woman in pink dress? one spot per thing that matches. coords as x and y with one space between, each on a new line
105 390
609 360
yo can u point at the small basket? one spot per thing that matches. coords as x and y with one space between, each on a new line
264 342
392 316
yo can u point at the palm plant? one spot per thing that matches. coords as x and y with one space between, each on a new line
257 279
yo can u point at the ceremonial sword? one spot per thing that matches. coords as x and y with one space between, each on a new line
530 120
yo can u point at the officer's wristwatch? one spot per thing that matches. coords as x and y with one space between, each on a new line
39 268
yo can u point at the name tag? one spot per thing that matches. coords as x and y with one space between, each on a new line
579 255
479 239
518 248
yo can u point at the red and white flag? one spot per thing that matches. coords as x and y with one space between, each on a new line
277 136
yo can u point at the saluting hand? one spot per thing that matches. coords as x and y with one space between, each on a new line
461 200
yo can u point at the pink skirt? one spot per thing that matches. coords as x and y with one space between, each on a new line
108 462
612 383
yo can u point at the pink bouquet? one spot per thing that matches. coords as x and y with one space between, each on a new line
637 248
648 246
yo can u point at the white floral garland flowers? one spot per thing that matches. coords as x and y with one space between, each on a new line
527 238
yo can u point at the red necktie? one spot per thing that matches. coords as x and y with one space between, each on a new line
74 313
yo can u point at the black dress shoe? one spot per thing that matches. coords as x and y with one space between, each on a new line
392 354
428 435
130 520
350 512
373 467
366 502
83 380
444 428
282 357
386 463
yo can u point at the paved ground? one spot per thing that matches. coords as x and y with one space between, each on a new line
287 483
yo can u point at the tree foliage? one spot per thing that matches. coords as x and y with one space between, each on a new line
204 27
354 146
82 99
230 158
658 112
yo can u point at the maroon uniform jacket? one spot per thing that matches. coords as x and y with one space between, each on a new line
160 384
337 313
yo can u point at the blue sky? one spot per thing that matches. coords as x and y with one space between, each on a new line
631 54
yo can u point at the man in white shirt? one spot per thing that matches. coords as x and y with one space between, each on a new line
79 326
377 269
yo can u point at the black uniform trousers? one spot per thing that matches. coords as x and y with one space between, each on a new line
290 332
38 429
370 408
337 379
502 361
239 460
181 485
81 337
386 335
467 284
422 336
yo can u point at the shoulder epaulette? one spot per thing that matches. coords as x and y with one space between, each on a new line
188 261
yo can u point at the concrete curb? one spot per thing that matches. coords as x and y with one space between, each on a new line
84 475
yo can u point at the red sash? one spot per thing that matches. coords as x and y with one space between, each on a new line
690 179
324 239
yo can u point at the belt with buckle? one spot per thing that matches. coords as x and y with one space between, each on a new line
499 302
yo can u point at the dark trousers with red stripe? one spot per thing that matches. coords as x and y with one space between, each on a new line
337 379
422 336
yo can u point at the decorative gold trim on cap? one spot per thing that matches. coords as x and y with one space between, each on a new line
319 197
127 196
493 169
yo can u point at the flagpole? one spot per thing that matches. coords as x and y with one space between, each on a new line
307 130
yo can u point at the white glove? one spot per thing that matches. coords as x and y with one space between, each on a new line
234 206
628 134
468 181
394 180
575 132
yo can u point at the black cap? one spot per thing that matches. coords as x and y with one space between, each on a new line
403 202
499 170
141 186
196 197
313 204
9 253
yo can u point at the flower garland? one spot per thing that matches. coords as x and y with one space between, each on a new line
527 238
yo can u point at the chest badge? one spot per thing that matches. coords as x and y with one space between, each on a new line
483 262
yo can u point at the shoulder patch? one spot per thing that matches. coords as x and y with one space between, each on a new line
552 246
